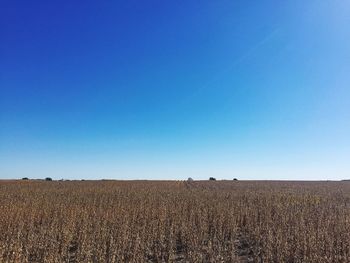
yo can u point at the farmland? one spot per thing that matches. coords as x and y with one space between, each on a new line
174 221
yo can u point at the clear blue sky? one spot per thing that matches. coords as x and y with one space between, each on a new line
171 89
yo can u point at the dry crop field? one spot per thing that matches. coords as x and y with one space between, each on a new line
174 221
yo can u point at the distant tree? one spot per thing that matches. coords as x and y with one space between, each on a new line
235 179
189 179
25 178
212 179
48 179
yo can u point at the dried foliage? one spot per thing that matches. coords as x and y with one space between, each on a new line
163 221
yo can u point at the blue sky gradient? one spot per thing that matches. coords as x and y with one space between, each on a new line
171 89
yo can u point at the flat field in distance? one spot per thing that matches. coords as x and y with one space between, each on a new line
174 221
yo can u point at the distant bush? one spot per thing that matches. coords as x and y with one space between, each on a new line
48 179
189 179
212 179
25 178
235 179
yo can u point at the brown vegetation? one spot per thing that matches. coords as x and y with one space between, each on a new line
163 221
